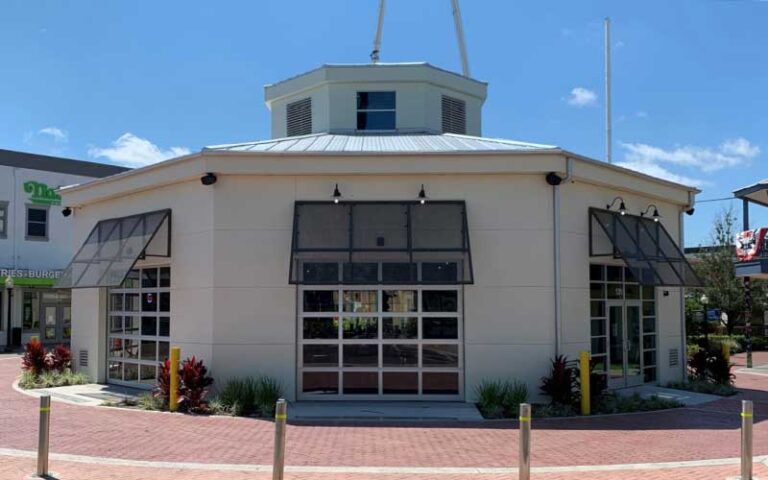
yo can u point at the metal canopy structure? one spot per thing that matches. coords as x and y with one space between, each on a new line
380 242
645 246
114 246
757 194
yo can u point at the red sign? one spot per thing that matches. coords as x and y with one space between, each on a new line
749 244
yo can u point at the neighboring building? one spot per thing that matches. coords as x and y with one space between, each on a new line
379 248
35 241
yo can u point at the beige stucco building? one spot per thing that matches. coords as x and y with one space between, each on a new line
378 248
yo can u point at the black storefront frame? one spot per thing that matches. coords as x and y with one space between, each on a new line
465 249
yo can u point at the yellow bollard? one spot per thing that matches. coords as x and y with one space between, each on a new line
584 372
726 351
173 397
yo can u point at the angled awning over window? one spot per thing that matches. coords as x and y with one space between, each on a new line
644 245
113 247
380 242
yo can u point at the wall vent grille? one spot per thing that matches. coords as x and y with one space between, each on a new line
299 117
454 115
83 358
674 357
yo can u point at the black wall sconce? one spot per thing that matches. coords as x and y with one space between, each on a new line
422 195
66 211
622 207
655 215
336 194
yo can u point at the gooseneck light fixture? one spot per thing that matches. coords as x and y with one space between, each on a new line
655 215
336 194
422 195
622 207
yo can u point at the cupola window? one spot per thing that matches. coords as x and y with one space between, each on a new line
375 110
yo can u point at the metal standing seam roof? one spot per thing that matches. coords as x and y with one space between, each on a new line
381 143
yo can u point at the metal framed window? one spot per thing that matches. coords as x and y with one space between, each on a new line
395 342
138 326
3 219
380 243
376 111
37 223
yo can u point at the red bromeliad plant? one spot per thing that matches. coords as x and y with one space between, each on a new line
60 358
34 359
163 385
195 382
561 383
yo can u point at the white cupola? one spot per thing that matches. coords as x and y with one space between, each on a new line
375 99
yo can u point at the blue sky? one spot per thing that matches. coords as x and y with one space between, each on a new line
135 82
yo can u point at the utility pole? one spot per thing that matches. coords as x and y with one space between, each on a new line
608 120
747 292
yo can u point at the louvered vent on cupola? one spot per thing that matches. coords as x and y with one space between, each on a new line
299 117
454 115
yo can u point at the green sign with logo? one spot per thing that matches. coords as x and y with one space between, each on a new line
41 193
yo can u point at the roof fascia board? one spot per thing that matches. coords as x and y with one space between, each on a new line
396 163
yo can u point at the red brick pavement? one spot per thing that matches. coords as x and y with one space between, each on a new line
682 434
18 468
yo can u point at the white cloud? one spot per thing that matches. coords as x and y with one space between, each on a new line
582 97
740 147
651 160
641 114
731 153
132 151
57 134
658 171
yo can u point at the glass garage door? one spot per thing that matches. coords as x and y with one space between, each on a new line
394 343
139 324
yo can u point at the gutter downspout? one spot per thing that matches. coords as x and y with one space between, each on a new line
556 247
683 334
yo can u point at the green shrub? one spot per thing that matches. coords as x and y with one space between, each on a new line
238 396
517 393
216 407
612 403
711 366
500 398
250 396
490 398
266 394
699 386
553 410
51 379
147 401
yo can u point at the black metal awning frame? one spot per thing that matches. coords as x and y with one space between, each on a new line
410 250
642 257
119 222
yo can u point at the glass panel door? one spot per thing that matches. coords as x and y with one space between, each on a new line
634 367
50 315
66 332
616 345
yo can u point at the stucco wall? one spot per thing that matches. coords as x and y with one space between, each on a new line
191 271
232 304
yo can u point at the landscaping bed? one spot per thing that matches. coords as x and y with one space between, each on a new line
48 368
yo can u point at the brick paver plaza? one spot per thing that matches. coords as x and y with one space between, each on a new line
239 448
